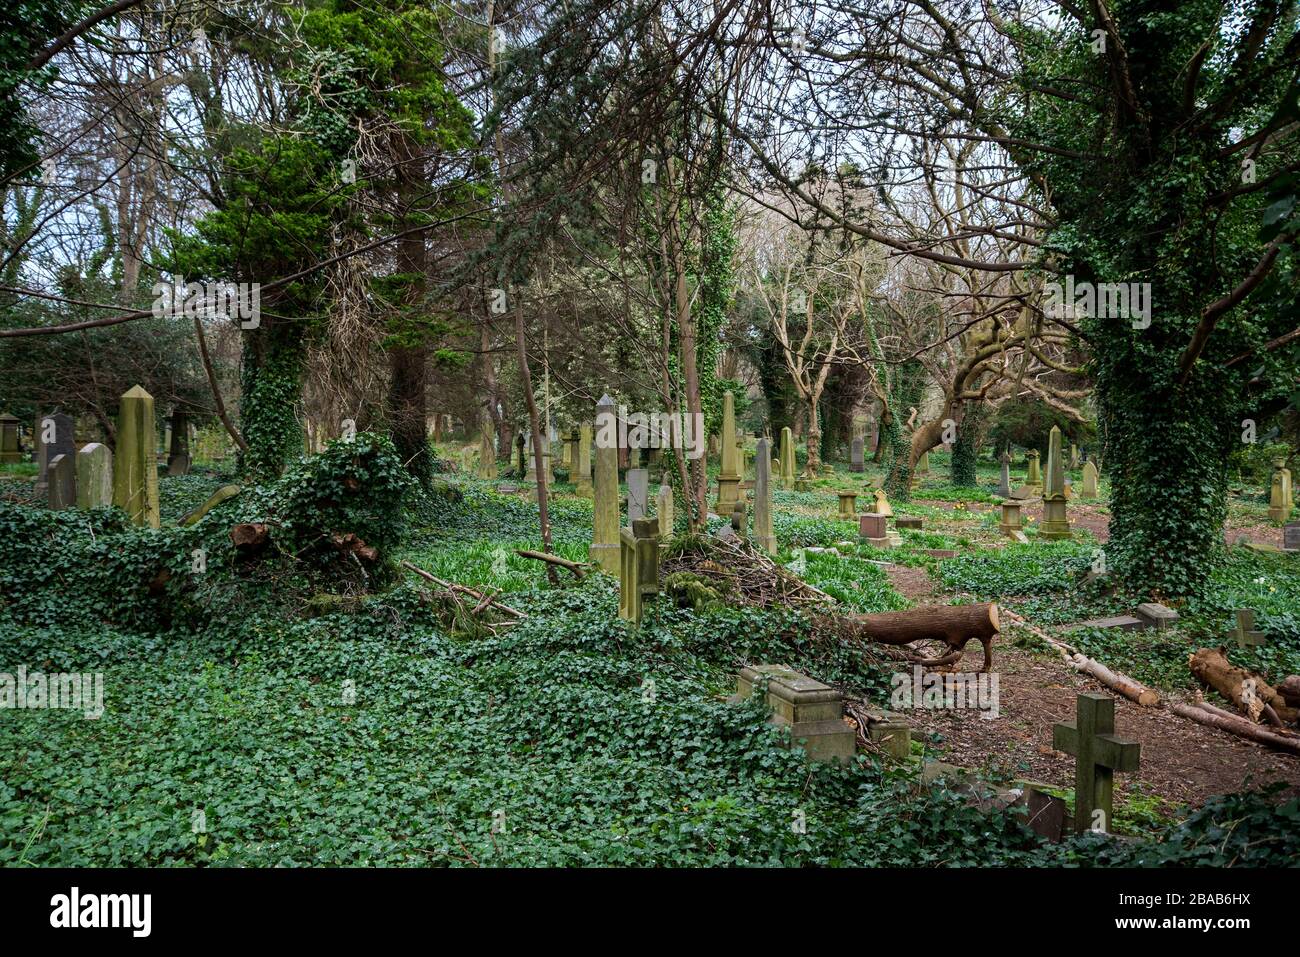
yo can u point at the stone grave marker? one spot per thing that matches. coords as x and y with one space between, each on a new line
848 504
61 479
1291 536
178 444
1034 479
814 712
583 477
740 518
882 506
604 549
11 446
638 576
638 494
135 464
729 474
908 521
219 496
1089 480
1244 634
787 458
764 531
664 509
1011 518
1281 498
1056 521
53 436
1098 754
857 459
872 530
94 476
1157 616
1004 483
923 464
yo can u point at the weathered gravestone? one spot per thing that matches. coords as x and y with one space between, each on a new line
54 436
1089 480
604 549
1281 498
848 504
520 465
882 506
764 532
638 576
638 494
729 474
872 530
664 509
1074 456
487 450
135 465
912 522
1056 521
583 479
1157 616
94 476
1291 536
219 496
857 458
923 464
814 712
1011 519
1034 478
787 458
61 478
11 447
1244 634
1098 754
178 444
1004 483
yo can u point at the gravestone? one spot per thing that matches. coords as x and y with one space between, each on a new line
94 476
1034 480
634 457
787 458
857 459
1156 615
873 530
570 439
764 532
1004 483
729 474
1098 754
664 509
520 465
882 506
487 450
1074 456
923 464
219 496
178 444
1089 480
1011 519
61 478
1056 521
908 521
135 465
1281 498
638 577
11 446
604 549
1244 634
54 436
583 479
740 518
638 494
1291 536
530 460
814 712
848 504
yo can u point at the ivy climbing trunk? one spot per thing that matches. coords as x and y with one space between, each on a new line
908 380
965 450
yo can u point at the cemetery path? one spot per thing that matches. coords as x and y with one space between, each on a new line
1182 763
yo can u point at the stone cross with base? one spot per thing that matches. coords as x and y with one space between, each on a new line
1244 633
1098 754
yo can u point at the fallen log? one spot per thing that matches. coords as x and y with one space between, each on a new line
576 568
954 625
1247 691
1122 683
1232 724
250 537
1290 690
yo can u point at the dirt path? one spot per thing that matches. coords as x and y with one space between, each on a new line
1182 762
1096 519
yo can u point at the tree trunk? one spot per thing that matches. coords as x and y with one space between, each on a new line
954 625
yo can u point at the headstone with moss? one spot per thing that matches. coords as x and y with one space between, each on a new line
1089 480
583 478
1281 498
1056 522
94 476
857 460
638 494
11 447
787 458
664 509
61 478
135 464
604 549
764 532
638 575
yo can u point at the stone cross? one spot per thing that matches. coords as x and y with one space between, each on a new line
764 533
1098 754
638 577
638 494
729 474
605 535
1004 483
787 458
1244 633
62 481
135 465
94 476
583 479
664 508
857 462
11 449
1089 480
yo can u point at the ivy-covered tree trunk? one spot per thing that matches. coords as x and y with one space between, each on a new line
270 391
965 450
908 381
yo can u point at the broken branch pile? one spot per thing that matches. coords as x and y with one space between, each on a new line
699 570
